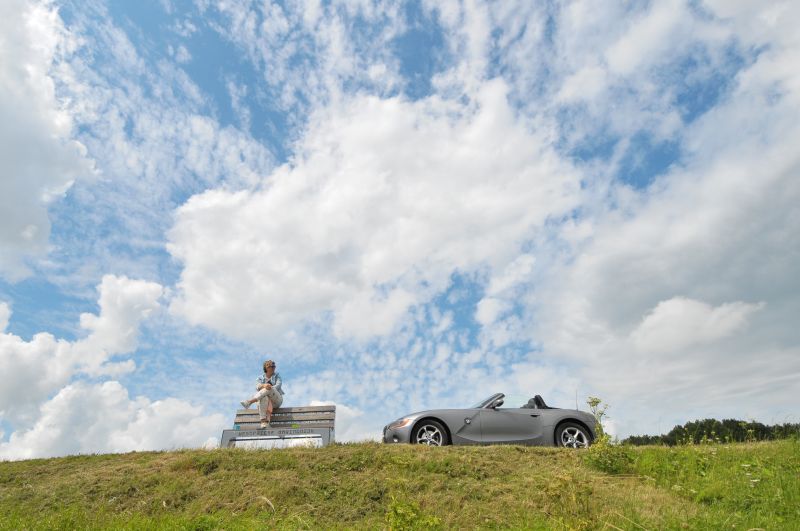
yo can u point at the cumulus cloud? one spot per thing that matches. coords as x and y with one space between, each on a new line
40 159
679 322
44 364
54 412
385 201
97 418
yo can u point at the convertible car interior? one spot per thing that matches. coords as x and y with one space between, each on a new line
537 402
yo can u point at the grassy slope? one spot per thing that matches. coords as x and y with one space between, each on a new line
373 486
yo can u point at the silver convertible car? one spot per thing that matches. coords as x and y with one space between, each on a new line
496 421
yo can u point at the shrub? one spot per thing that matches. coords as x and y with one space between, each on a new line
608 457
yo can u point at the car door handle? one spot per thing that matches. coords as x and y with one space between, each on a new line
535 415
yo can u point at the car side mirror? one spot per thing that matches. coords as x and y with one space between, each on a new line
498 403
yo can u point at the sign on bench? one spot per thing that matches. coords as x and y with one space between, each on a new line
307 422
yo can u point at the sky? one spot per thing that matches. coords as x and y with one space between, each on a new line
407 205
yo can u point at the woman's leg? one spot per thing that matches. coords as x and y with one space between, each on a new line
253 399
265 408
276 398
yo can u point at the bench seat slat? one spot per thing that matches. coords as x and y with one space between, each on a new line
254 411
303 409
285 422
277 416
285 425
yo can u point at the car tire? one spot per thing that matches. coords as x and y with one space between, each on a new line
572 435
430 433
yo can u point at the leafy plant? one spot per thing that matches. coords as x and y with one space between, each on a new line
604 454
608 457
598 410
403 515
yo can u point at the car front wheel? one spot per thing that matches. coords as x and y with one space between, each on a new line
572 435
431 433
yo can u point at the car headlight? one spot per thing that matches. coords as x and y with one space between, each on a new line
401 423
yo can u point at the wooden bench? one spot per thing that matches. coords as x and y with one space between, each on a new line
307 422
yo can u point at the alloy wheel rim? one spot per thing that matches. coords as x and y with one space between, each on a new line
429 435
574 438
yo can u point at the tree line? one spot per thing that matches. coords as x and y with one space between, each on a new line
718 431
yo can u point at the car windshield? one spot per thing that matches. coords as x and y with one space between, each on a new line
485 401
509 401
515 401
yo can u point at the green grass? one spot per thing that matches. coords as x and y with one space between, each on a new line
372 486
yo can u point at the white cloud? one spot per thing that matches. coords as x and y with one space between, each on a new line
238 96
489 309
182 55
665 25
54 414
123 304
517 272
586 83
385 201
678 323
96 418
366 315
40 160
44 364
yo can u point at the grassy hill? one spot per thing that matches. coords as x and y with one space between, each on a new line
739 486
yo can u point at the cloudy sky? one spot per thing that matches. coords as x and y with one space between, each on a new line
407 205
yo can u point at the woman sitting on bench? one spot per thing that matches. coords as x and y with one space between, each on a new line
269 394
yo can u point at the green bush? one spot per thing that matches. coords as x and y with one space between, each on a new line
608 457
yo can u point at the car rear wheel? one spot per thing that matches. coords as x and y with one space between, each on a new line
573 435
431 433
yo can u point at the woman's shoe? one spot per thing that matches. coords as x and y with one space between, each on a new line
245 404
264 424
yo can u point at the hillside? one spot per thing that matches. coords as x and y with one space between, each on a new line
737 486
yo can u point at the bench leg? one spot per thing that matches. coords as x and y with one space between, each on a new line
227 439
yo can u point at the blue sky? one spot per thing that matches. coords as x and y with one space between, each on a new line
406 204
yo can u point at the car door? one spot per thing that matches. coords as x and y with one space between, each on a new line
511 426
465 426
